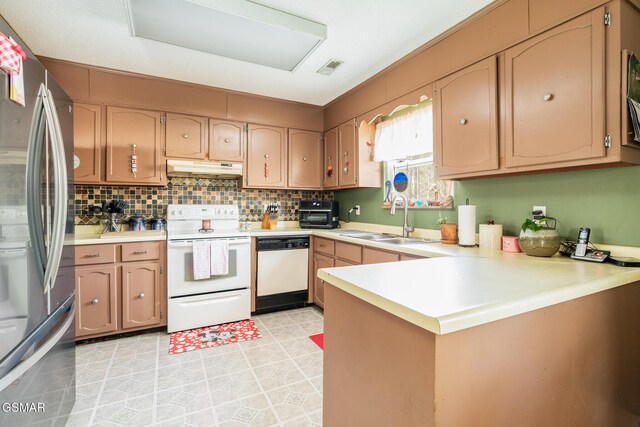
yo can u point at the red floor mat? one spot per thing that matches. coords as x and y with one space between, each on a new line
213 336
318 339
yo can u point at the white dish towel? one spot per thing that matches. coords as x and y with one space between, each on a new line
219 257
201 260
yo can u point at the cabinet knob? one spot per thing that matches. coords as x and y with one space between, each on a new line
226 140
141 295
266 156
304 158
185 135
547 97
463 121
95 301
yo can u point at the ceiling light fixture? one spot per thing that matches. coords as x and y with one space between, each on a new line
237 29
330 67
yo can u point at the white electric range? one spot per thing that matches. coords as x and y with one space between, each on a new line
218 299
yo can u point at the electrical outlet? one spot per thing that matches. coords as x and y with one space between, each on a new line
540 208
357 209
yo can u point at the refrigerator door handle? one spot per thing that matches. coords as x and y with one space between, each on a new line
60 191
34 187
13 366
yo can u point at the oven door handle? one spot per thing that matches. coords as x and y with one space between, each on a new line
188 244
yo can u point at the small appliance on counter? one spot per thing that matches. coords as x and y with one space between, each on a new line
318 214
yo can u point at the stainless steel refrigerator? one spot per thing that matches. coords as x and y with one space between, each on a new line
37 349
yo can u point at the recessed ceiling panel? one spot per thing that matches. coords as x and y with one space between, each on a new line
235 29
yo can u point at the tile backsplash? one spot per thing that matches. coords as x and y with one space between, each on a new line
150 201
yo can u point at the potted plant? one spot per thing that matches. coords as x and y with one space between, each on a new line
448 232
538 238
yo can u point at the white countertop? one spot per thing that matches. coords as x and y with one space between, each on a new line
458 288
96 239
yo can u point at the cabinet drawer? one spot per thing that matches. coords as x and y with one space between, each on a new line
376 256
341 263
95 254
140 251
325 246
349 252
409 257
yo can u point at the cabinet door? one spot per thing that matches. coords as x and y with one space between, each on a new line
186 136
330 179
226 140
466 120
320 261
266 154
555 95
375 256
96 300
141 296
305 159
129 130
86 142
347 154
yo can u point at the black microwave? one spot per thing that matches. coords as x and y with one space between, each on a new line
318 214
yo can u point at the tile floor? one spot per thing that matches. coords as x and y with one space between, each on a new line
274 380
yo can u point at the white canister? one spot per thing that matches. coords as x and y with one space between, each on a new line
467 225
491 236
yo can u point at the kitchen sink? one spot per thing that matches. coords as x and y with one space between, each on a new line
375 237
408 241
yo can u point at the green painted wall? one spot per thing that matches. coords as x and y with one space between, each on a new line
606 200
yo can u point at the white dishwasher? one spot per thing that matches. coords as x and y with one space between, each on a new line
282 272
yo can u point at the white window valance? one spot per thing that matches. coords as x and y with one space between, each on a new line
408 135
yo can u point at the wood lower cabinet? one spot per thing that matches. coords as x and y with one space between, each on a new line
87 150
96 300
141 294
555 95
466 121
124 289
186 136
226 140
132 131
304 157
266 157
334 253
377 256
320 261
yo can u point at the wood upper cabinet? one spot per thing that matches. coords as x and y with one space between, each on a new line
545 13
141 294
330 159
96 300
266 157
305 159
320 261
555 98
128 127
186 136
347 154
226 140
466 120
87 120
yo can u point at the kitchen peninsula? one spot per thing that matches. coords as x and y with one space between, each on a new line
487 339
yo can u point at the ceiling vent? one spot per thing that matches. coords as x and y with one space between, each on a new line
237 29
330 67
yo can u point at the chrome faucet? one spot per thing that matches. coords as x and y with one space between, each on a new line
406 228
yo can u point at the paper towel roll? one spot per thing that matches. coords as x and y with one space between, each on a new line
467 225
491 236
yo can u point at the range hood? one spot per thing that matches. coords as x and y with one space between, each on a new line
202 168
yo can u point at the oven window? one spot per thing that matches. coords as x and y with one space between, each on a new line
315 217
188 269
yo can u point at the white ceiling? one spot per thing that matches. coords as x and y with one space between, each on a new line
368 35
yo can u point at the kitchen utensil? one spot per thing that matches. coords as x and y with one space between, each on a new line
137 223
95 210
157 223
